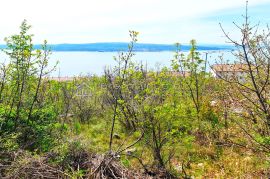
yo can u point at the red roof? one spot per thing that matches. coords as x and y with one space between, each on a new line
230 67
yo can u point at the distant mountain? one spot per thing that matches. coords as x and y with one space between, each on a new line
121 46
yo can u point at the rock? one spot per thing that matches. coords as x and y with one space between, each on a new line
200 164
131 151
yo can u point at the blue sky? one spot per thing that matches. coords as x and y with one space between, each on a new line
158 21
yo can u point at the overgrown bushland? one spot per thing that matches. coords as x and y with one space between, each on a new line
132 122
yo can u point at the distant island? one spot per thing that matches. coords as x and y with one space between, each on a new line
122 46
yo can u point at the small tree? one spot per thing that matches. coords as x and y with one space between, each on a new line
24 110
192 76
251 95
142 103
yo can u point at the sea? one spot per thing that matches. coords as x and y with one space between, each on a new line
69 64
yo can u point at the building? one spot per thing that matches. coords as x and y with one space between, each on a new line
230 71
179 73
60 79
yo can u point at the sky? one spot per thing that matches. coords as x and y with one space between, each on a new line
157 21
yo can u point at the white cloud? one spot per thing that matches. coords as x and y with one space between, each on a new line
78 21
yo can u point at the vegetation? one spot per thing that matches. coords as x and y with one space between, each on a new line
177 122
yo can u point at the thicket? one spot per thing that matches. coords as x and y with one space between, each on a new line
132 122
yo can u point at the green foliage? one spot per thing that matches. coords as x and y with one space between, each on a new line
25 109
176 119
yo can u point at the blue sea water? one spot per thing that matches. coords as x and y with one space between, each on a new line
88 63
